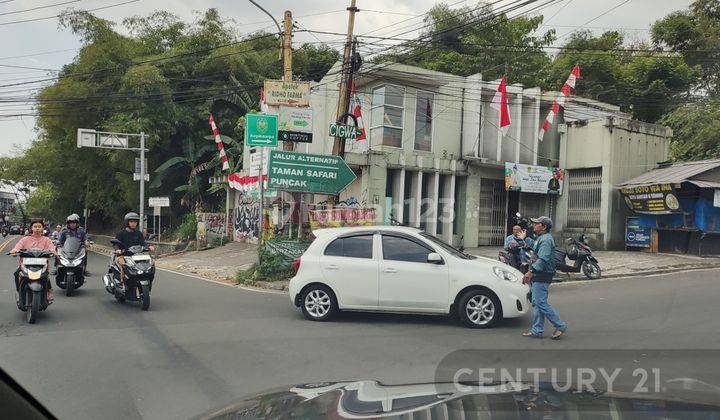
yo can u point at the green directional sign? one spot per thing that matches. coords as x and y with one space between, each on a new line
305 172
261 130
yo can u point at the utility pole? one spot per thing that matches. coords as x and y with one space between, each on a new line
142 180
343 98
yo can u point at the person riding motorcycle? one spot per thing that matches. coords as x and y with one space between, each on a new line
34 241
73 229
128 237
55 235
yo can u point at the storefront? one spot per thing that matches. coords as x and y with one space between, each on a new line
678 206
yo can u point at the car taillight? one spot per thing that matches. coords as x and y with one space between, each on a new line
296 265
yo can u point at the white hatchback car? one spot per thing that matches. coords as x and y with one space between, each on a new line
402 269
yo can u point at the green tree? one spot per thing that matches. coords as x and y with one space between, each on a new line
473 40
154 74
696 130
695 34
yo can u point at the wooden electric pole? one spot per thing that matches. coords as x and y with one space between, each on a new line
287 60
343 97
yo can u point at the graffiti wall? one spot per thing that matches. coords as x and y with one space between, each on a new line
246 217
210 227
345 216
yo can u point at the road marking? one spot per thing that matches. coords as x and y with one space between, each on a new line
5 243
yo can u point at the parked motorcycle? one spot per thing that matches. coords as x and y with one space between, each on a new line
580 253
71 267
139 268
33 282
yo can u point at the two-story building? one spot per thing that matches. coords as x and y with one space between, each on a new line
434 157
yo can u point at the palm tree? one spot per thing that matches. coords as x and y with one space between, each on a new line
192 159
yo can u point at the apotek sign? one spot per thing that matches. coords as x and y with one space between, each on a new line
279 92
305 172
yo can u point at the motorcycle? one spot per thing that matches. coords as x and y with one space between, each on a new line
33 282
579 252
139 268
71 267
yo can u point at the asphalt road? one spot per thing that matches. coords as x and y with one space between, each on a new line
202 345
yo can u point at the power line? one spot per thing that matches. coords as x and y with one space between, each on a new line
57 16
39 7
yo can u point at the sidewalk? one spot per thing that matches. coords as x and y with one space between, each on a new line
625 263
219 264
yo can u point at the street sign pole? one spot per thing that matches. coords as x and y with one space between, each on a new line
260 199
142 180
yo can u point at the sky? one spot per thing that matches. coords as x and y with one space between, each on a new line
51 47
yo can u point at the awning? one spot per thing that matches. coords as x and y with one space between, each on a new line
675 173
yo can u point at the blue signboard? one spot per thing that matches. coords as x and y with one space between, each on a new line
637 236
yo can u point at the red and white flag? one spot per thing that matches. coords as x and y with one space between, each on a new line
264 108
560 101
220 146
500 103
356 109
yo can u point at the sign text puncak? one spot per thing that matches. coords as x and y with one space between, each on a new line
320 174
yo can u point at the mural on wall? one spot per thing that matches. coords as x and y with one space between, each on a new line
246 218
210 227
348 202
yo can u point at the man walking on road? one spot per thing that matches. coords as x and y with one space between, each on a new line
540 276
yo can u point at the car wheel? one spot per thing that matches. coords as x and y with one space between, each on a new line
479 309
318 303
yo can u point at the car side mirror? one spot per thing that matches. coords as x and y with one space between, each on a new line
434 258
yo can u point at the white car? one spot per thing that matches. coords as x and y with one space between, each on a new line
402 269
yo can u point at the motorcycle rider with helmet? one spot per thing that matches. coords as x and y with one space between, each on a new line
128 237
73 229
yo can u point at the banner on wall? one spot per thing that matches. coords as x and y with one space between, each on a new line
652 199
342 217
533 179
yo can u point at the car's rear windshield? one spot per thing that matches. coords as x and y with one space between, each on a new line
447 247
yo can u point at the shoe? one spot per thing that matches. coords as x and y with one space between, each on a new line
50 296
530 334
558 333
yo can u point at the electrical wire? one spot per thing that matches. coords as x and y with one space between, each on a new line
57 16
39 7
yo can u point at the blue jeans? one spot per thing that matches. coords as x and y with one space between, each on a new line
542 309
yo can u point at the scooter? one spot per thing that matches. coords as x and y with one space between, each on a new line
71 268
139 269
578 251
33 282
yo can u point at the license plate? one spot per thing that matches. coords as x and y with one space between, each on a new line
34 261
137 258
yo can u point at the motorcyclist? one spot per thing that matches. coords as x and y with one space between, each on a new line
128 237
34 241
73 229
55 235
515 245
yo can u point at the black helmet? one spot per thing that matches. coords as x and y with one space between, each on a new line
132 216
73 218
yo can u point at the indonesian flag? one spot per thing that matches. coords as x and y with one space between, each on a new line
356 108
264 108
500 103
560 101
220 146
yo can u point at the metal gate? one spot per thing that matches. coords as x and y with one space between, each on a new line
584 192
492 212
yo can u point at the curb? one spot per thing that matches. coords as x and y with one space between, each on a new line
628 276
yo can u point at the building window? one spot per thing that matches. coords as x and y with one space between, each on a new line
423 121
386 115
584 191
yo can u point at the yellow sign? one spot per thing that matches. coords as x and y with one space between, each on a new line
279 92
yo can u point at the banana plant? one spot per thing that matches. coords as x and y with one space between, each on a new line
193 160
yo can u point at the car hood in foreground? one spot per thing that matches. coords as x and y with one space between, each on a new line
371 399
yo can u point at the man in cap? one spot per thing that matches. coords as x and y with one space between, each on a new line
540 276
